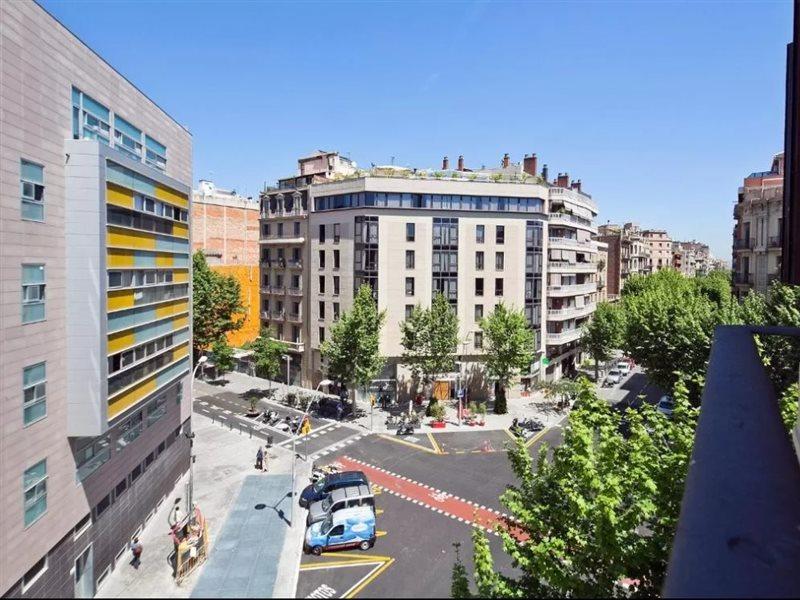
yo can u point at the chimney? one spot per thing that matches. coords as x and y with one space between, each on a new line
563 180
576 185
544 173
529 164
460 162
505 160
445 164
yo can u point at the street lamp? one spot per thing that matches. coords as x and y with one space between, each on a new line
190 496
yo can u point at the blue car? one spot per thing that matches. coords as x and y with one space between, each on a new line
346 528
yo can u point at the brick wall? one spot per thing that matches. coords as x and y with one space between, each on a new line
227 234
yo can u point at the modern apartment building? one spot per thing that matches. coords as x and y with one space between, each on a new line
95 329
628 253
660 248
225 227
758 216
479 237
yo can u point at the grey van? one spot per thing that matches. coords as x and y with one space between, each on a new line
322 488
346 497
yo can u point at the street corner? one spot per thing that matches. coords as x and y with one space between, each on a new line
340 575
419 440
471 441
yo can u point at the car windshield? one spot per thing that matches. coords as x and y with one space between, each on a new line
319 485
613 372
326 504
327 524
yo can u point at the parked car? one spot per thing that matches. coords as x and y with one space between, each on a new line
666 405
332 407
613 378
346 528
624 367
347 497
322 488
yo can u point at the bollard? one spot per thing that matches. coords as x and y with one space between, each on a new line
251 432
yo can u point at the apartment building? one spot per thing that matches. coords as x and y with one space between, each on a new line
628 254
692 258
758 216
479 237
225 226
602 272
95 329
659 247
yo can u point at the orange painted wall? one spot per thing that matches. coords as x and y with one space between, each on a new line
247 276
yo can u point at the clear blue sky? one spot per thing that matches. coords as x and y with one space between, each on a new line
659 107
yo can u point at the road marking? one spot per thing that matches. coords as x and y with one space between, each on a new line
323 591
369 578
407 443
537 437
435 445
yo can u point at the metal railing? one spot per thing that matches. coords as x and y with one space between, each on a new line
738 534
295 264
561 241
568 267
563 337
743 278
570 311
572 220
744 243
570 289
294 291
774 241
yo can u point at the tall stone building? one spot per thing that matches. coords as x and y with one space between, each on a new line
758 216
660 248
95 319
628 254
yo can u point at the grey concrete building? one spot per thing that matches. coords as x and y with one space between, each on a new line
95 328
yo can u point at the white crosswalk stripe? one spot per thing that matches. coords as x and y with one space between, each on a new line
323 591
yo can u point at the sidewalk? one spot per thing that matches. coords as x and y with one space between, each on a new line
224 460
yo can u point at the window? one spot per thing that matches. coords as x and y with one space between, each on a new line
335 311
32 191
82 527
322 259
480 234
32 293
478 313
280 229
322 234
91 456
409 259
478 340
338 530
156 154
335 285
36 571
336 233
34 404
137 471
498 286
409 310
335 259
322 284
479 261
409 286
121 487
127 138
297 229
321 310
411 232
102 506
479 286
34 484
321 334
499 261
156 409
265 230
500 234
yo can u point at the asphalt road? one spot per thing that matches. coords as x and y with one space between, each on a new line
628 391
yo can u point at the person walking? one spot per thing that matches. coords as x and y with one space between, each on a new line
259 458
136 550
265 461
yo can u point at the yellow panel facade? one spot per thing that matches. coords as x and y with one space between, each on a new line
119 196
119 299
120 340
180 352
180 276
180 230
164 260
173 307
247 276
118 258
168 195
120 403
131 239
180 322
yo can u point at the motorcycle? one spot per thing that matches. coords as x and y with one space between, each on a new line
318 473
405 428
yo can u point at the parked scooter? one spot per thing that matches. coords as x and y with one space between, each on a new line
405 428
318 473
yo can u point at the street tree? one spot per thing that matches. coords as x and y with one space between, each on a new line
222 354
268 355
353 348
601 507
430 339
508 348
216 305
603 334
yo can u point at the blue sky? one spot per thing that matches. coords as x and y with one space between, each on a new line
659 107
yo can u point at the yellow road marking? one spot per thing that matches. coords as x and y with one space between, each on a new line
511 435
410 444
341 563
378 511
367 557
436 447
380 533
351 593
536 438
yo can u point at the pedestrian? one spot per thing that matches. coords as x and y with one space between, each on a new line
265 461
259 457
136 550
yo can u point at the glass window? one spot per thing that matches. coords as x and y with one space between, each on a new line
499 261
335 311
322 284
409 310
478 340
32 191
91 456
335 259
336 233
34 403
130 430
500 234
478 313
409 259
498 286
322 259
297 228
321 310
322 234
280 229
480 233
156 155
335 285
33 286
321 334
479 261
479 286
409 286
156 409
34 485
411 232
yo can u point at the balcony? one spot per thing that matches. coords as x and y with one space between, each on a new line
568 220
570 312
278 314
570 243
743 278
737 535
566 194
294 291
274 240
559 291
563 337
296 346
744 243
295 317
774 241
295 264
567 267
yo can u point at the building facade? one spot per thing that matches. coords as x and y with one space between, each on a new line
479 237
659 247
95 333
225 227
758 220
628 254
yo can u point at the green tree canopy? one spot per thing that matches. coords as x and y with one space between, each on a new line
268 355
508 348
430 338
222 354
596 509
216 304
603 334
353 348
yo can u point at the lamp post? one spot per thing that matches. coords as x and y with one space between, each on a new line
190 496
463 362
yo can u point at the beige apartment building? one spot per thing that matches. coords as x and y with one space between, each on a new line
660 248
95 328
479 237
758 216
628 254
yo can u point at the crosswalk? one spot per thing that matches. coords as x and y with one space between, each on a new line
323 591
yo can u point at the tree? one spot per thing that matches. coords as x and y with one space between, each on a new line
268 355
216 304
603 334
509 348
353 348
430 338
600 507
459 588
223 356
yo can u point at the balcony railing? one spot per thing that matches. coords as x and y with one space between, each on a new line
294 291
559 314
737 535
744 243
278 314
568 267
774 241
295 264
571 289
570 243
563 337
572 221
743 278
294 316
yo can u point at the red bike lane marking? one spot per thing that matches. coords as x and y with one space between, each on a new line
434 499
